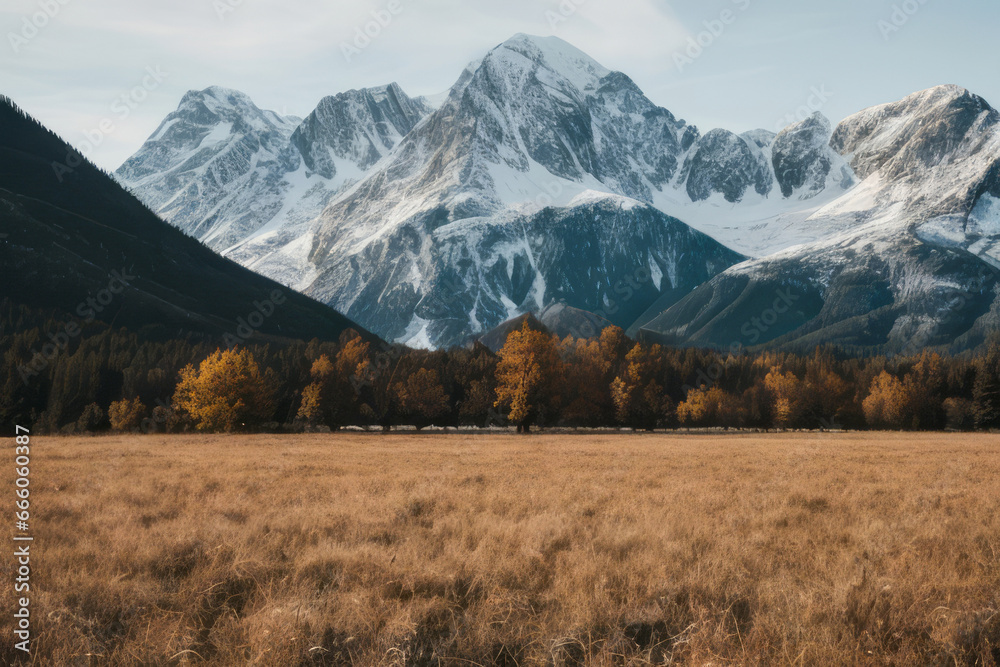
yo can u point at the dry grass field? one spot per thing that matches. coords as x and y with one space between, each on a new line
798 549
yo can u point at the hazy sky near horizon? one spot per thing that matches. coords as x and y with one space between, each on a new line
87 69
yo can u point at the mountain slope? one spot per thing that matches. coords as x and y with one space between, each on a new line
358 127
545 178
223 170
508 197
71 231
917 265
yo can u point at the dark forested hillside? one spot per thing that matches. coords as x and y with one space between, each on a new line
71 234
81 257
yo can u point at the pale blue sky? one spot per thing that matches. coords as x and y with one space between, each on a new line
767 62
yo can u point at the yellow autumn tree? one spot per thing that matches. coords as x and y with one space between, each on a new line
311 408
126 414
590 366
339 387
318 398
711 407
639 399
886 402
785 389
226 392
529 376
353 361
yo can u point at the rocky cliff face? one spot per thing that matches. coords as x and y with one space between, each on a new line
917 264
804 163
727 164
223 170
504 201
358 128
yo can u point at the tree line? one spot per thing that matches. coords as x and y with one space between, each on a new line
120 380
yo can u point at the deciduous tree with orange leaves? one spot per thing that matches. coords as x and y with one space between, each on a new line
227 392
785 389
126 415
639 399
884 407
529 377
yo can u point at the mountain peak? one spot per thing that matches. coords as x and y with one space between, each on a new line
915 131
817 123
924 102
380 94
231 103
360 126
946 95
556 55
220 95
944 90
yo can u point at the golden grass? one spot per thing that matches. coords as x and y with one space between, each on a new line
540 550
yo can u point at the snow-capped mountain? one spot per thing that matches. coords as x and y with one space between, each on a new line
917 264
356 129
431 281
224 170
532 183
804 163
543 177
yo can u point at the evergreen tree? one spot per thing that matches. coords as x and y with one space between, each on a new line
986 389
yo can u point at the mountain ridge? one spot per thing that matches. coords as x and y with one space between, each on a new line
907 267
537 131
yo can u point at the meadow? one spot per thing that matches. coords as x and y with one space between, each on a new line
457 550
